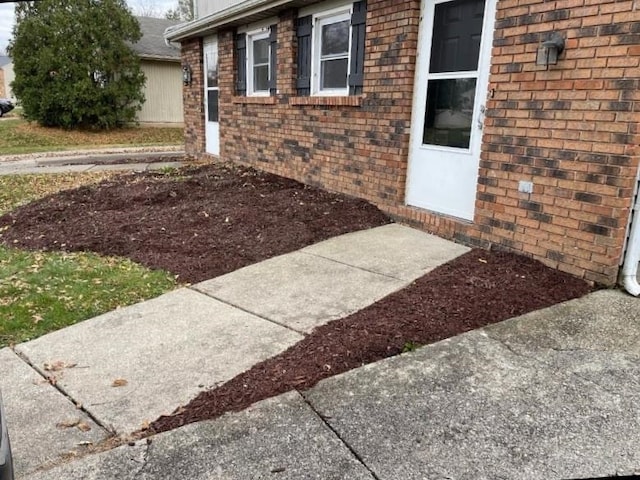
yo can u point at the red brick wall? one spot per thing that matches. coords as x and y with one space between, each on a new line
193 98
359 149
572 130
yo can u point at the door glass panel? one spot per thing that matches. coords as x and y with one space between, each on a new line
449 112
211 59
457 31
212 105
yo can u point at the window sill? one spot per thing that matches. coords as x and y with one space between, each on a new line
346 101
254 100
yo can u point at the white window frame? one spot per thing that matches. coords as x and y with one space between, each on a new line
252 36
328 17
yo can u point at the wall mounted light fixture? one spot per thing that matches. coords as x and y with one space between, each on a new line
550 50
186 74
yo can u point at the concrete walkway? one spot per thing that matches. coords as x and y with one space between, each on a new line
163 352
128 158
550 395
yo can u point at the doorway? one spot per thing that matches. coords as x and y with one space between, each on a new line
211 93
454 57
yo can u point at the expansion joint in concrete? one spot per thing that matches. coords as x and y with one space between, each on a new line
329 259
238 307
107 428
355 454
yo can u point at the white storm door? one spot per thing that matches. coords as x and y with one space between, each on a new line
454 55
212 127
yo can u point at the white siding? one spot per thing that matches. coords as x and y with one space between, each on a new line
163 92
207 7
8 78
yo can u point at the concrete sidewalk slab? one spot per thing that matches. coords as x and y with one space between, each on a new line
474 407
393 250
167 349
99 158
10 169
279 438
299 290
34 408
605 321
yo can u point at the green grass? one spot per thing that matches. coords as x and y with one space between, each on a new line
16 190
44 291
41 292
19 136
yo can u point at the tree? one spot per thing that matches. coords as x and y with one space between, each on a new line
74 65
147 8
184 11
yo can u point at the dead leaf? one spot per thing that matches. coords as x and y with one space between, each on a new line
83 427
119 382
68 423
145 425
482 260
37 319
57 366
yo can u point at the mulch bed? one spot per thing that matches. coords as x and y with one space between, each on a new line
474 290
198 223
215 219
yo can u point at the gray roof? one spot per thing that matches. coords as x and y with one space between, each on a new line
4 60
152 44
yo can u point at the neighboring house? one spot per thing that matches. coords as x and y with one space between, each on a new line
161 65
6 77
440 112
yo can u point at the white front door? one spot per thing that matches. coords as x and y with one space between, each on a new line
454 55
212 127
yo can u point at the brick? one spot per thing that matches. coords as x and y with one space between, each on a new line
571 129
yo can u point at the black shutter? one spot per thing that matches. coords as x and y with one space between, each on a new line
304 55
241 62
358 28
273 60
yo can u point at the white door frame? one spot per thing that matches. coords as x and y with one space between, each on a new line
212 128
439 178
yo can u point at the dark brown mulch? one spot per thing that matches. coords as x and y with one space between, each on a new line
476 289
215 219
208 221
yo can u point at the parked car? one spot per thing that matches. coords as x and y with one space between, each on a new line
6 463
6 106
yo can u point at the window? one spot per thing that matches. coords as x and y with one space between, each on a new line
332 42
256 62
331 47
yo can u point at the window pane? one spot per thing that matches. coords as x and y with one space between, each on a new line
261 78
449 112
261 51
211 60
212 105
456 36
334 73
335 38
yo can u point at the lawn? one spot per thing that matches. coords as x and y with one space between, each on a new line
19 136
44 291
